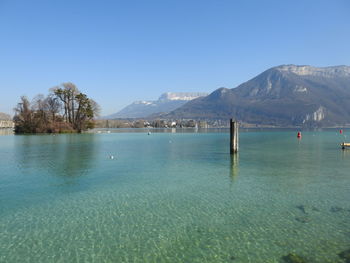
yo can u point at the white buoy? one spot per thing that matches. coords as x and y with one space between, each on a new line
111 157
149 133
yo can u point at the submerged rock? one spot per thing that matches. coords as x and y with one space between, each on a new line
293 258
345 255
303 219
306 210
302 208
315 209
336 209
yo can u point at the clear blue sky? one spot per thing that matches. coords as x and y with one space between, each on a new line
121 51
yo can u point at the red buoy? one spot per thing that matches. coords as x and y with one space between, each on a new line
341 131
299 135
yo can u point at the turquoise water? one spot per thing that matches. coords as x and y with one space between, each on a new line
174 197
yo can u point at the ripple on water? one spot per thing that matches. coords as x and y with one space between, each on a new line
172 208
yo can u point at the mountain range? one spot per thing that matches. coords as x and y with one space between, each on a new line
166 103
286 95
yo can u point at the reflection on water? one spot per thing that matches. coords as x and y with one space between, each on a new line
37 168
6 131
234 167
345 153
60 155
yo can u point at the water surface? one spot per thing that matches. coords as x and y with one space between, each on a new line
174 197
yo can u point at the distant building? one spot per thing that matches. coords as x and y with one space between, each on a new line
5 124
203 125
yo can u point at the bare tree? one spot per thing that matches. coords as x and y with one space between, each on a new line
23 116
53 106
95 108
66 93
39 110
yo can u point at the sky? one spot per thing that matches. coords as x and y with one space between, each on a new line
118 52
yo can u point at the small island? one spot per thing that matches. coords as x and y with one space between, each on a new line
64 110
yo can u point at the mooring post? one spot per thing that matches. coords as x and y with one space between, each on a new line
233 136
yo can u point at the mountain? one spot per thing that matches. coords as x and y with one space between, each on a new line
166 103
4 117
286 95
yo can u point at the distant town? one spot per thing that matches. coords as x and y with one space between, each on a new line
165 123
120 123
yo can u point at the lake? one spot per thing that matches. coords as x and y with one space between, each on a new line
174 197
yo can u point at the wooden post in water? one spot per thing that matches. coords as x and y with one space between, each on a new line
233 136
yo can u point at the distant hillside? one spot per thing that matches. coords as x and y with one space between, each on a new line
286 95
4 117
166 103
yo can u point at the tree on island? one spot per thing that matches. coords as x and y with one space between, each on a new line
65 109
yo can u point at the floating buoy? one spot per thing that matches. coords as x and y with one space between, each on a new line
299 135
111 157
341 131
149 133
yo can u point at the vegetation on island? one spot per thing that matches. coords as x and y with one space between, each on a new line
64 109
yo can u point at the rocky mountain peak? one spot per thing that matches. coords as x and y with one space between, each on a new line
304 70
187 96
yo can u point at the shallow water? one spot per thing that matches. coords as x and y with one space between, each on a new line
174 197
